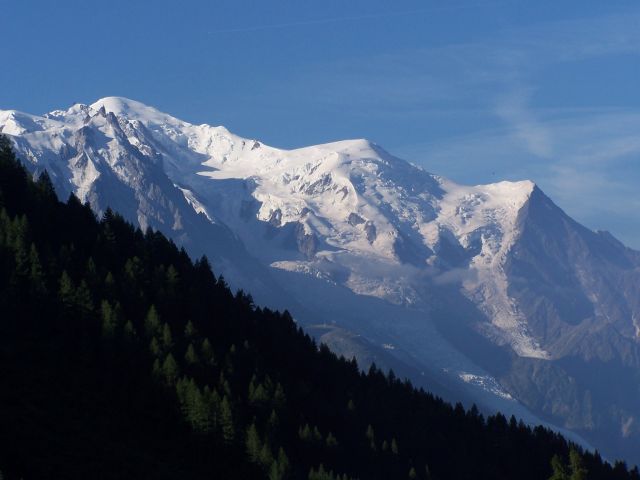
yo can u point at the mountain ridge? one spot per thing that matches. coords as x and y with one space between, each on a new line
351 220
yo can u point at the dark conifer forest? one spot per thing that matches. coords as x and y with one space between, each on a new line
120 357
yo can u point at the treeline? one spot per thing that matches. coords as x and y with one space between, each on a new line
120 357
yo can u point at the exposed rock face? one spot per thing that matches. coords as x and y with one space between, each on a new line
355 219
491 293
306 241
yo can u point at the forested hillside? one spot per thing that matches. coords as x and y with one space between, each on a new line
120 357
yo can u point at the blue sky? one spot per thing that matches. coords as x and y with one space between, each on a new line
476 91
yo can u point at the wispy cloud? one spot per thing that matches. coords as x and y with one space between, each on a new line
515 111
349 18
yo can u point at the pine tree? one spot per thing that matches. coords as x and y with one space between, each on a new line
45 187
191 357
172 281
274 471
36 275
190 331
258 395
83 299
305 432
394 446
66 291
279 398
154 347
91 273
110 285
21 255
129 331
283 463
559 470
279 466
371 437
152 322
272 424
266 457
412 473
226 421
170 369
109 322
207 351
253 443
199 411
167 338
576 463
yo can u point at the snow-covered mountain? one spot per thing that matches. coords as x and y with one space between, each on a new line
485 293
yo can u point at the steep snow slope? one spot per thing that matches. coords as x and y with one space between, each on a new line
356 212
103 160
488 290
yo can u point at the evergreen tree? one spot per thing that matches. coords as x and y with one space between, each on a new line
36 275
154 347
190 331
266 457
152 322
351 406
559 470
109 322
207 351
91 274
45 187
83 299
576 463
371 437
226 421
66 291
272 426
167 338
394 446
253 443
170 369
110 285
427 473
129 331
283 463
274 471
305 432
279 398
191 357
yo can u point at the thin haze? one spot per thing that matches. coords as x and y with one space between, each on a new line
478 92
354 18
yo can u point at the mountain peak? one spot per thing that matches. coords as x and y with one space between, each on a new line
132 110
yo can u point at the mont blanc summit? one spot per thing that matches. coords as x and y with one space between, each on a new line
488 292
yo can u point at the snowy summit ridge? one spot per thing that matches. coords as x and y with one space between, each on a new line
357 211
